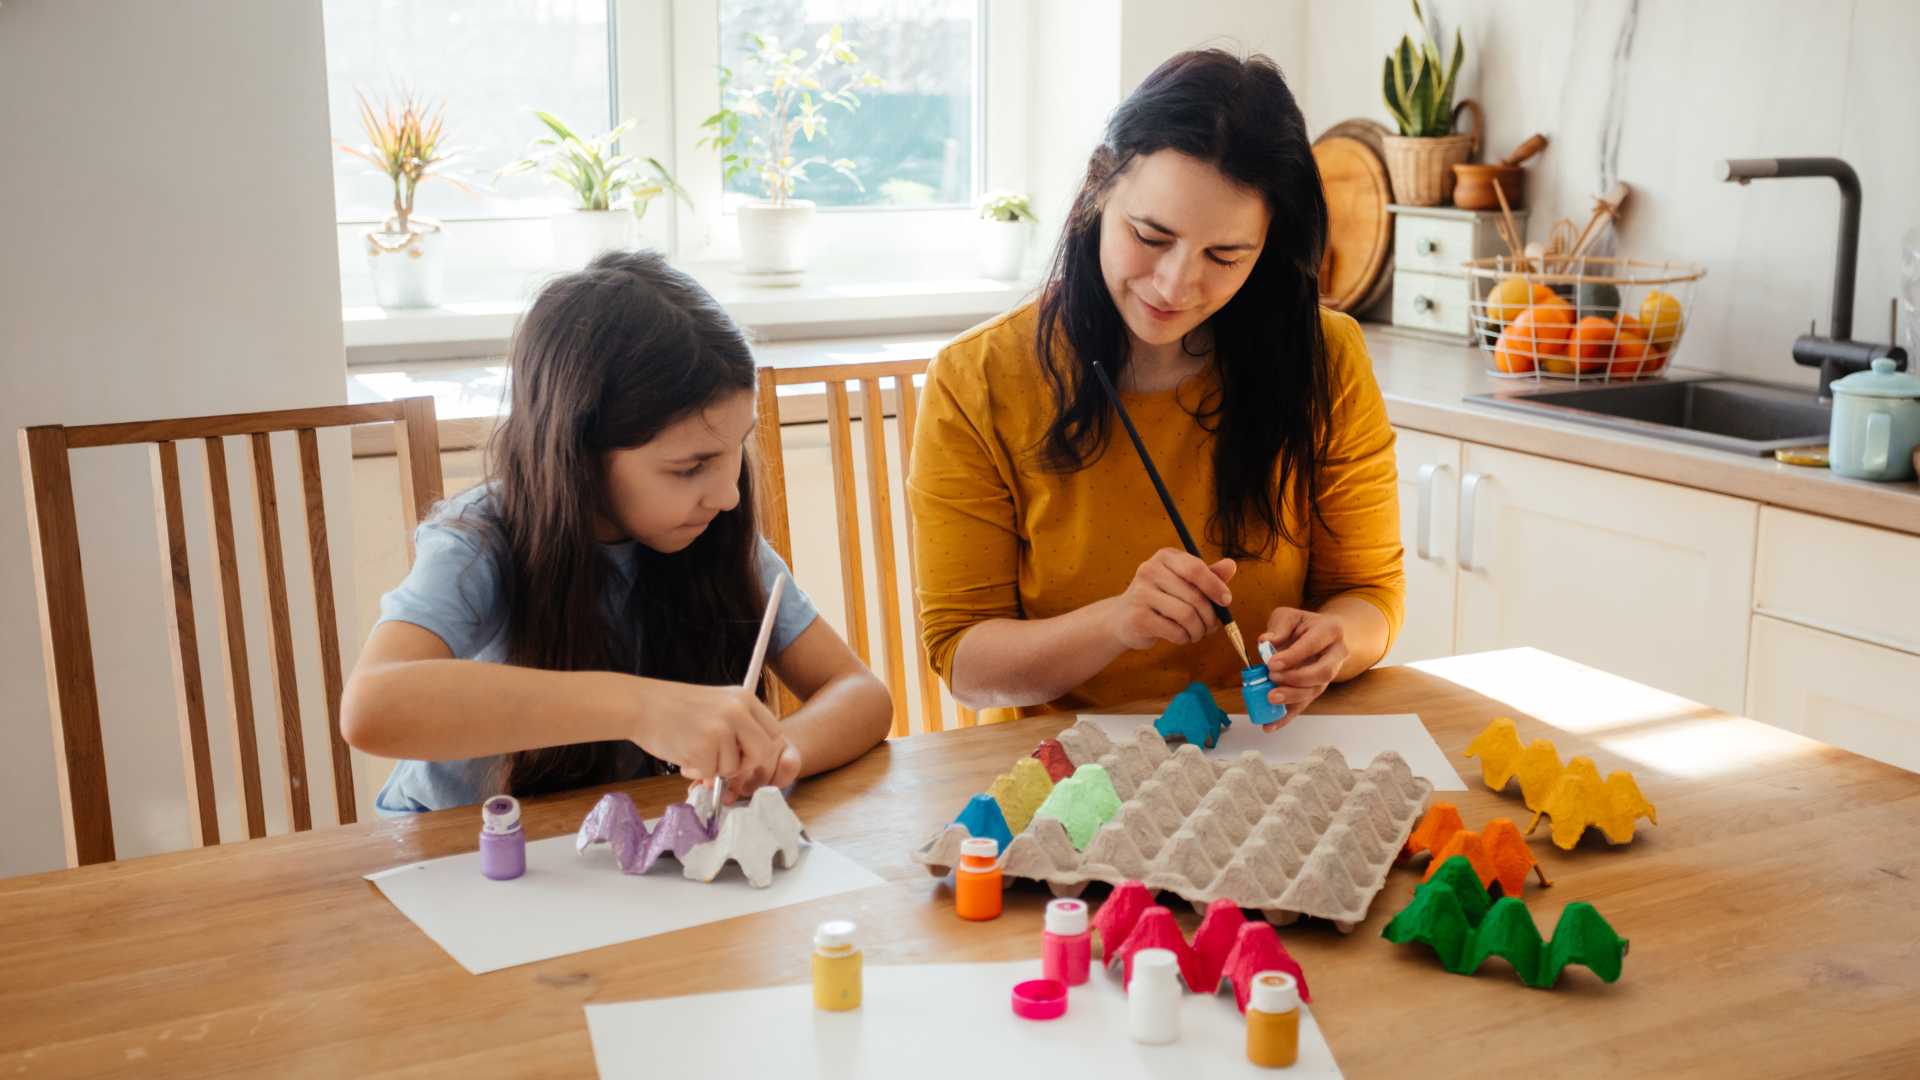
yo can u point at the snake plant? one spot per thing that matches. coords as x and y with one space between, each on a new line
1418 94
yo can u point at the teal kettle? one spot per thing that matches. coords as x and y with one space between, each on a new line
1876 423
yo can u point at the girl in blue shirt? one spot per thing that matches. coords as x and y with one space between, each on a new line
587 615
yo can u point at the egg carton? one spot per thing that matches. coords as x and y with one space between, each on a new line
1313 838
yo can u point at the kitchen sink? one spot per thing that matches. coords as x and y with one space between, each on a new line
1745 416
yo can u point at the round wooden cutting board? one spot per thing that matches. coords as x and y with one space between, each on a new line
1359 226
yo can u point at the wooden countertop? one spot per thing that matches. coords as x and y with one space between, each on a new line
1774 916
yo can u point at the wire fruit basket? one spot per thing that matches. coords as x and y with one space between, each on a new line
1585 319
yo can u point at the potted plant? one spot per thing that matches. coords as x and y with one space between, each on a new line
1006 220
405 141
612 190
755 132
1419 92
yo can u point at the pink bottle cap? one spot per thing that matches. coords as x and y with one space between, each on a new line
1040 999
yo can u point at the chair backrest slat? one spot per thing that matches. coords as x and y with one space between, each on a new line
908 396
189 693
286 687
80 760
770 503
233 637
66 638
776 524
873 431
321 562
847 519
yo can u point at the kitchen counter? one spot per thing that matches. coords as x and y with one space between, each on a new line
1424 382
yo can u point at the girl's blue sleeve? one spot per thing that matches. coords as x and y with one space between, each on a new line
796 607
452 591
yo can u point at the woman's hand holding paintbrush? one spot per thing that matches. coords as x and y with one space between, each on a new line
1172 597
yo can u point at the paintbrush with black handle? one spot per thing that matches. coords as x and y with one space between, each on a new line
1186 538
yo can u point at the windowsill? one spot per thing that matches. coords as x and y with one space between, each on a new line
834 300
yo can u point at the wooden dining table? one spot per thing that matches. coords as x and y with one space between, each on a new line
1773 914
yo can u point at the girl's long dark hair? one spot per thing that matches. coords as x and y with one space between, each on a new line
1270 419
605 359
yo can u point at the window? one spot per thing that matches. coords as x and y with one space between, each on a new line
913 140
491 63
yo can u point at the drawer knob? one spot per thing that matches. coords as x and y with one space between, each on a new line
1422 304
1428 245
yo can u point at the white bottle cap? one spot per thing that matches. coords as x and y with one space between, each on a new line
500 814
1274 992
1068 918
837 934
985 847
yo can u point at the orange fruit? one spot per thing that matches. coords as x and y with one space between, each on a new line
1631 325
1629 355
1592 343
1508 357
1543 330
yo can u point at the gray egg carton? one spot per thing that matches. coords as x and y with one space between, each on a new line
1313 838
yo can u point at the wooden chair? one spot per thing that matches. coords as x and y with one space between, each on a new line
774 519
71 690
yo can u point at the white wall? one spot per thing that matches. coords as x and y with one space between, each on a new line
167 210
1152 30
1655 93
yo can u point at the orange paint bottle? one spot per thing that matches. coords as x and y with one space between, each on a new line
976 881
1273 1020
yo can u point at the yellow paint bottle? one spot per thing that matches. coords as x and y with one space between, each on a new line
836 967
1273 1020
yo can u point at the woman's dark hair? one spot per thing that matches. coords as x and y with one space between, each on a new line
1270 419
605 359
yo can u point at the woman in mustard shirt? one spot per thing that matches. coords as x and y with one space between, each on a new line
1049 575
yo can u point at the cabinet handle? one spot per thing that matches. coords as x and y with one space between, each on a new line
1428 245
1422 304
1429 473
1469 487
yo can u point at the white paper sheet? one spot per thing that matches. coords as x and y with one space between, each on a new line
567 902
1358 738
929 1022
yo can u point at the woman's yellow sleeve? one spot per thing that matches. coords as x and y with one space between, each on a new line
1358 553
966 550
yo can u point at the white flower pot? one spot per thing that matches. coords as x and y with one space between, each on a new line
775 239
579 235
1003 247
409 269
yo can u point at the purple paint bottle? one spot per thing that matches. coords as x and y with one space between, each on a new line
503 844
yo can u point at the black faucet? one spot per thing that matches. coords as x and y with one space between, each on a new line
1836 354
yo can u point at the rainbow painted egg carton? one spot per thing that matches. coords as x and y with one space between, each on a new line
1313 838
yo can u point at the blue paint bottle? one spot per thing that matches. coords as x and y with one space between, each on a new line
1255 685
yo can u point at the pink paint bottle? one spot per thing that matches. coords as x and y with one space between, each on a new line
503 844
1066 950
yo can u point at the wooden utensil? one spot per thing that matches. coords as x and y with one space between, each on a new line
1606 206
1474 184
1511 232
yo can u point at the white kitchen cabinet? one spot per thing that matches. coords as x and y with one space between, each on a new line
1847 693
1643 579
1429 498
1848 579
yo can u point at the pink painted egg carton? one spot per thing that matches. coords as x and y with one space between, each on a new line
1313 838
